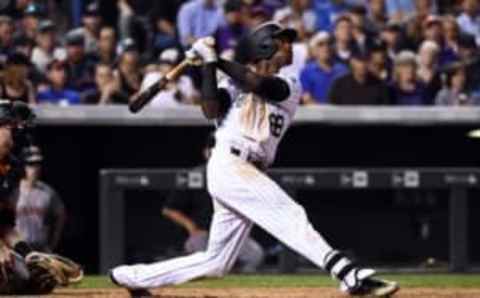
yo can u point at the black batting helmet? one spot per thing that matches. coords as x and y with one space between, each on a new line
260 44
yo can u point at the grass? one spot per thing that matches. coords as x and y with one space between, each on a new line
290 281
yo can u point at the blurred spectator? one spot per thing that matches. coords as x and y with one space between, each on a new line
468 53
14 8
359 87
328 11
79 64
198 18
363 36
469 19
428 68
343 38
399 10
128 71
299 16
176 93
91 21
46 49
107 45
258 15
164 35
377 14
24 45
229 33
451 34
455 90
57 91
379 64
40 211
406 88
433 31
6 36
391 35
15 84
107 87
31 19
319 74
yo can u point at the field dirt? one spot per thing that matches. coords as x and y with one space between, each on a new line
263 293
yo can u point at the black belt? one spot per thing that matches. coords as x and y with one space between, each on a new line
237 152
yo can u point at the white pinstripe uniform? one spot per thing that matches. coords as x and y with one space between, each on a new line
242 195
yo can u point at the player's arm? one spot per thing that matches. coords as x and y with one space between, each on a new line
181 219
270 87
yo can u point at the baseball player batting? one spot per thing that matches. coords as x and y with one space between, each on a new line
253 109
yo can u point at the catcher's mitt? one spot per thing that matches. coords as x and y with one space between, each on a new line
49 270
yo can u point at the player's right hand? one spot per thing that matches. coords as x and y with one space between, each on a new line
204 47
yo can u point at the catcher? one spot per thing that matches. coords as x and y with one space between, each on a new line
22 270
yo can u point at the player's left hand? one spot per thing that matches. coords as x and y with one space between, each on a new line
6 261
204 47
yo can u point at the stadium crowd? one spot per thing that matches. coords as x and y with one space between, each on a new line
349 52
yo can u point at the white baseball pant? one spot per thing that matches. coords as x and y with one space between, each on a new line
242 195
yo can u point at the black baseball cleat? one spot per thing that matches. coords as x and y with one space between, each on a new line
373 287
134 293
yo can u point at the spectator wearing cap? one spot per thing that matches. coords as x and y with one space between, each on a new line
46 49
23 45
198 18
468 52
455 92
107 87
15 85
6 36
377 14
80 65
128 71
319 74
469 19
359 87
379 63
107 45
57 91
299 16
31 19
328 11
406 89
428 67
40 211
91 24
177 93
343 39
235 27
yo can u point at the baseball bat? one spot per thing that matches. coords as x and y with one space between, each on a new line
141 99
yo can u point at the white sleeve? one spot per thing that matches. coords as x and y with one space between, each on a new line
228 85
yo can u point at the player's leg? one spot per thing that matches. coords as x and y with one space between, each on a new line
227 234
251 255
253 194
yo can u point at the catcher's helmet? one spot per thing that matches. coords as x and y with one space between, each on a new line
260 44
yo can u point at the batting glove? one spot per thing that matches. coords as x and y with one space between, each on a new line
204 48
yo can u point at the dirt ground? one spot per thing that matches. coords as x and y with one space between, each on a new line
264 293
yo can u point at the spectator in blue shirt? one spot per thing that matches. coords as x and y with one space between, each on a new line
328 11
406 89
319 74
398 10
57 92
198 18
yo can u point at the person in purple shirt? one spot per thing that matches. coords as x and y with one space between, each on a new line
57 92
406 89
228 34
319 74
